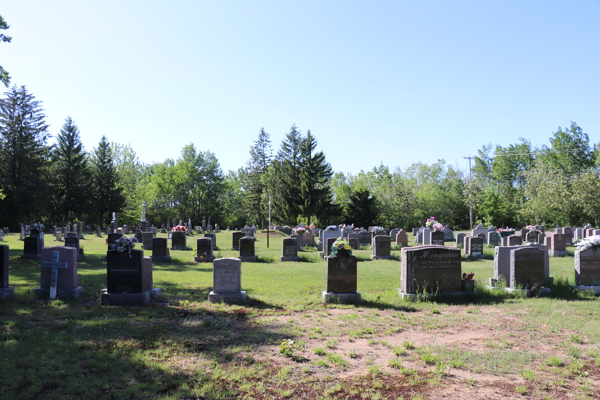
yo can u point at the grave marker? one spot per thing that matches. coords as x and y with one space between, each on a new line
587 269
129 279
290 250
5 290
227 281
204 249
247 253
527 269
340 279
235 240
53 283
436 237
381 248
160 250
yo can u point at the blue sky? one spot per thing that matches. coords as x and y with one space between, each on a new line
392 82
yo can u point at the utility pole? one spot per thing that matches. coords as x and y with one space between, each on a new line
470 204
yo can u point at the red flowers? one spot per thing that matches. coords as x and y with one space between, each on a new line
179 228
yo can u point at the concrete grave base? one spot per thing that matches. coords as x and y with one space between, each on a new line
205 259
7 292
341 298
558 253
544 291
283 259
474 258
595 289
31 256
161 258
248 259
44 293
182 248
382 257
128 299
443 295
230 298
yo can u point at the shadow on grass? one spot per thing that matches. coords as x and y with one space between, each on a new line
386 306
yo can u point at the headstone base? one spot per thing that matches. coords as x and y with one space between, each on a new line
231 298
31 257
284 259
474 258
382 257
183 248
205 259
44 293
248 259
128 299
595 289
558 253
442 295
7 292
342 298
543 291
161 258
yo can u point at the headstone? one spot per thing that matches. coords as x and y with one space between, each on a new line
227 281
340 280
153 230
502 264
204 249
58 235
354 236
308 238
467 244
541 238
74 235
424 236
548 241
290 250
22 237
129 279
480 229
120 230
448 234
393 233
80 230
475 247
364 238
531 237
235 240
98 231
147 240
299 241
113 226
558 245
160 250
514 240
493 238
381 248
587 267
214 239
436 237
74 242
353 243
327 249
112 237
460 239
178 240
430 269
527 268
63 277
247 253
577 233
32 248
5 290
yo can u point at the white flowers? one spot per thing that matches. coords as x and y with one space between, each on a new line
588 242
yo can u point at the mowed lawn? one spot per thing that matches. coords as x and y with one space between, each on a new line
285 343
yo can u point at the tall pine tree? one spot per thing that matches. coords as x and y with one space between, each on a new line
24 158
287 193
108 196
72 175
255 190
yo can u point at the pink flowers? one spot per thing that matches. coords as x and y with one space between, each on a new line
433 224
179 228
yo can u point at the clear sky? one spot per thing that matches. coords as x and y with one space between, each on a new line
392 82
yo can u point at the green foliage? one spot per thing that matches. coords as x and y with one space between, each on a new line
255 197
4 76
362 210
108 195
132 177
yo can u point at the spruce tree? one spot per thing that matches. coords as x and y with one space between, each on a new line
108 196
362 210
72 174
4 76
260 159
288 193
24 158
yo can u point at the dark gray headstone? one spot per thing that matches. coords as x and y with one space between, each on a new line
527 268
341 274
436 237
587 267
214 239
3 266
235 240
178 240
160 247
430 269
128 272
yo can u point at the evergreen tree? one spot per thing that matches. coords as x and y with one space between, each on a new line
315 175
255 190
4 76
24 158
72 174
362 210
287 192
108 196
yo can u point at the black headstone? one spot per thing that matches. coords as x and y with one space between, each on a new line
128 272
160 247
3 266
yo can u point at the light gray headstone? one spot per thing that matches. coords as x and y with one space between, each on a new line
227 276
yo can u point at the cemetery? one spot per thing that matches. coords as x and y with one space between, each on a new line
354 306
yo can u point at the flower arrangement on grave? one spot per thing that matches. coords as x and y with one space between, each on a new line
376 229
505 230
39 226
341 248
123 244
204 255
300 230
468 276
431 223
588 242
532 228
179 228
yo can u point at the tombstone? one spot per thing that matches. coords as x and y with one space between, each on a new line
58 235
501 265
290 249
113 226
204 249
527 267
22 237
235 240
475 247
5 290
436 237
112 237
354 236
460 239
548 241
353 243
214 239
493 238
425 236
541 238
128 278
393 233
480 229
514 240
381 248
299 241
327 249
74 235
227 281
531 237
467 244
587 269
74 242
247 253
401 238
80 230
307 238
346 231
340 279
178 240
364 238
558 245
98 231
577 233
147 240
448 234
120 230
160 250
32 249
415 231
429 269
589 232
58 271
